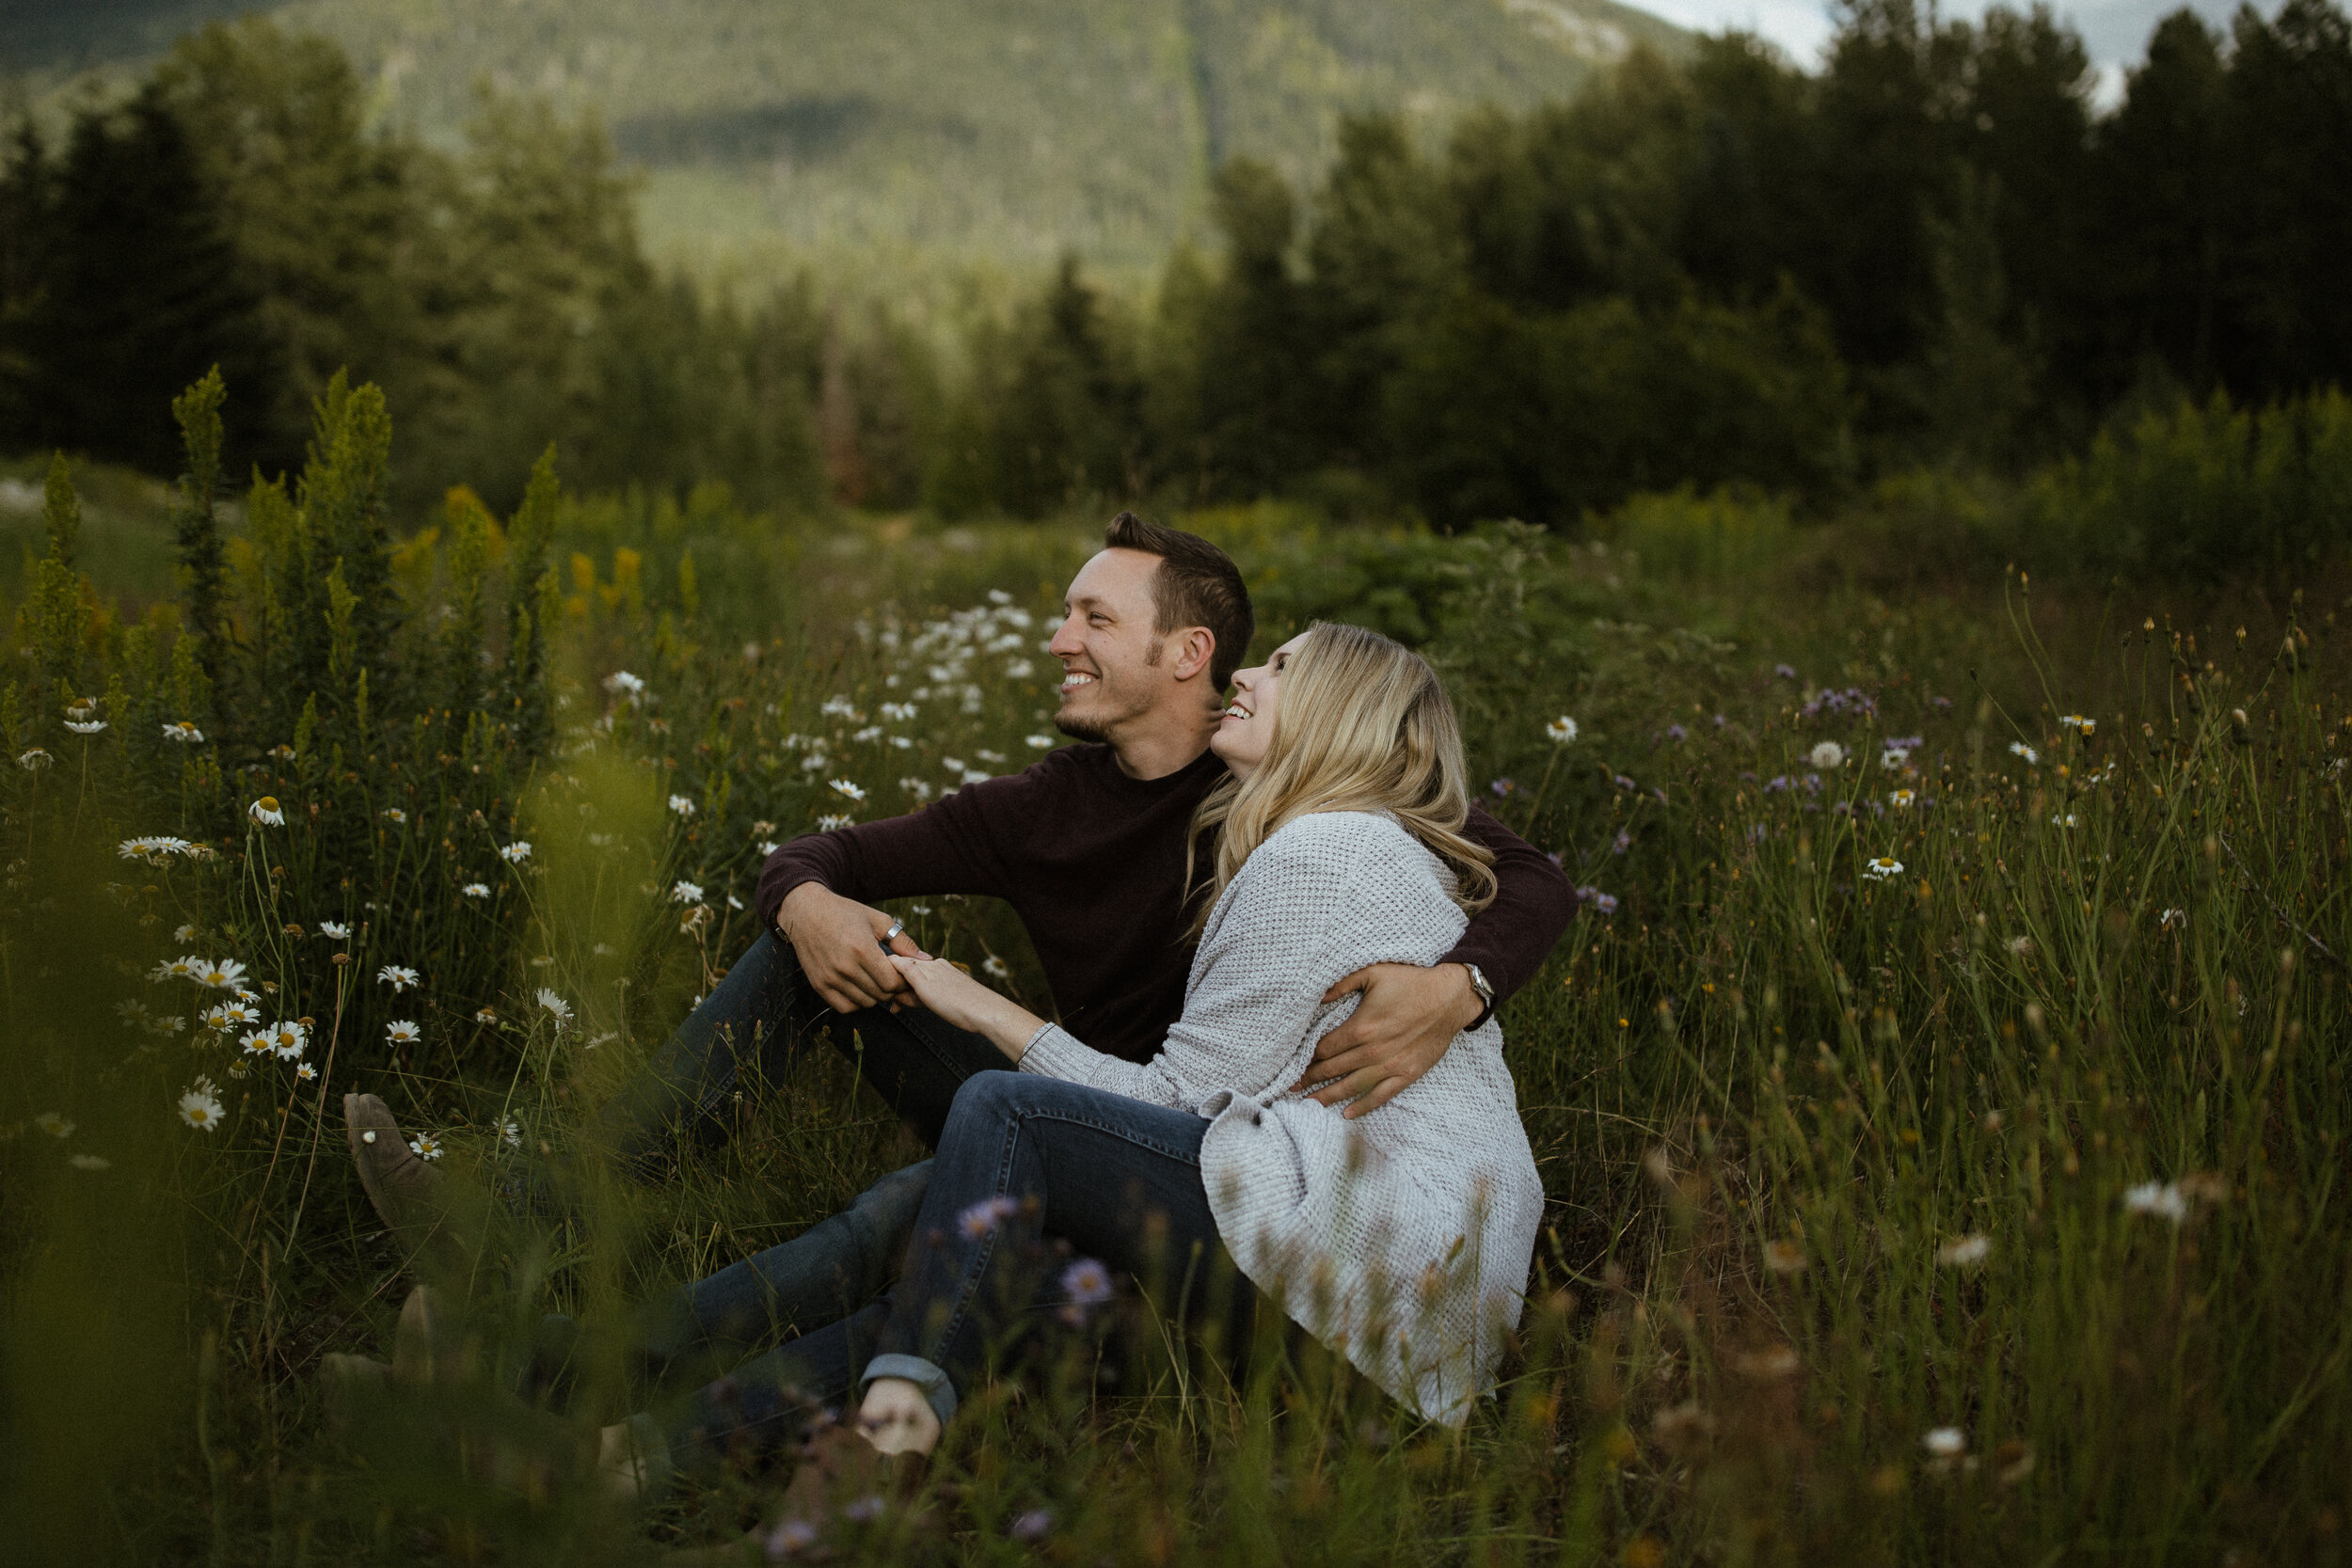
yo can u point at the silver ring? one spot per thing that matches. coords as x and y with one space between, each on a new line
897 927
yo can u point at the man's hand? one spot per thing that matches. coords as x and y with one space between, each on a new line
1406 1019
839 943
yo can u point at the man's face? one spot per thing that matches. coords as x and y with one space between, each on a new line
1114 670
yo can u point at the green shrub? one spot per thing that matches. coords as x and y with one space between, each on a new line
2209 490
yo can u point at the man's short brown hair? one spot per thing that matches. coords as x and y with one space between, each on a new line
1196 585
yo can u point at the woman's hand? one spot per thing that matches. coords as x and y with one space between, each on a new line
959 999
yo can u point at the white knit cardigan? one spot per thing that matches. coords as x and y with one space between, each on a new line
1400 1239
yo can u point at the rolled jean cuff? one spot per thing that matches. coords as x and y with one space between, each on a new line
922 1373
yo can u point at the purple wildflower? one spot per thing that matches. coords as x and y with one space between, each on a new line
1624 783
1086 1283
986 1216
1030 1527
1720 721
1786 671
1675 731
865 1510
1624 841
1503 787
1600 901
789 1539
1944 703
1756 834
1777 782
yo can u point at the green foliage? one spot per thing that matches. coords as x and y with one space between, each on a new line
1944 1043
2208 490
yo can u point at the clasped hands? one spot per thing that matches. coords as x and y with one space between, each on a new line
1406 1017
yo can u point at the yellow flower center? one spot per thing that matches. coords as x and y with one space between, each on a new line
267 803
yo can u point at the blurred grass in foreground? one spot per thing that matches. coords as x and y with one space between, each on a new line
1941 1098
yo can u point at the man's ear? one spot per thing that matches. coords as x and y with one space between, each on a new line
1195 648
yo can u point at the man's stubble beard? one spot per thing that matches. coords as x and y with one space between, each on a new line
1097 728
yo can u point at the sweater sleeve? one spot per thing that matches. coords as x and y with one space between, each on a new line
1510 939
962 844
1305 910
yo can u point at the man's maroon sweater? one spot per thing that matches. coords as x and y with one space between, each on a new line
1093 862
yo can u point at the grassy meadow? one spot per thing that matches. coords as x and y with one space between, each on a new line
1941 1096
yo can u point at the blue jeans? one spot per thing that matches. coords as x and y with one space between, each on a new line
743 1041
1020 1159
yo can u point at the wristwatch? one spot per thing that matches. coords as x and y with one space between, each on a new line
1485 991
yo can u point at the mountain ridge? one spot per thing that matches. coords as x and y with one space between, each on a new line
1022 129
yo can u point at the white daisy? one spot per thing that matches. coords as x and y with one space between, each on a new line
476 890
621 684
425 1146
403 1032
399 977
177 969
1562 730
2018 748
516 852
265 811
511 1133
485 1015
395 814
185 733
85 727
557 1006
186 933
1964 1252
288 1039
768 846
686 892
198 1109
334 928
829 822
2162 1200
682 805
1882 867
34 759
219 974
1901 799
305 1071
56 1124
258 1042
843 787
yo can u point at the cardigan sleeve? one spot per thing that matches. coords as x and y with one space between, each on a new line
1306 910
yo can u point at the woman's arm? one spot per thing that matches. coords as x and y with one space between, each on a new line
960 1000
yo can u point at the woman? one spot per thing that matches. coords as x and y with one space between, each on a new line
1400 1239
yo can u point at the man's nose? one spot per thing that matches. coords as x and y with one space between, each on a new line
1066 638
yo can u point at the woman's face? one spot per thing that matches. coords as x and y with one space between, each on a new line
1247 727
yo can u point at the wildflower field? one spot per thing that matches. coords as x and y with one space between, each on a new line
1940 1097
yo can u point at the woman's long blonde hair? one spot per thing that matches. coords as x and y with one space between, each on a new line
1363 725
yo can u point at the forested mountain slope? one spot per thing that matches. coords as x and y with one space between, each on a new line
999 130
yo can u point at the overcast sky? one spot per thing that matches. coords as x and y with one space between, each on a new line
2115 31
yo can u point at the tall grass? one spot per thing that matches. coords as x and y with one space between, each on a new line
1941 1100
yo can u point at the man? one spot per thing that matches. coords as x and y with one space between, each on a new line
1089 847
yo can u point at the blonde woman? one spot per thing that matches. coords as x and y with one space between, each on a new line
1400 1239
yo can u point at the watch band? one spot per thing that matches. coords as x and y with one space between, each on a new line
1485 991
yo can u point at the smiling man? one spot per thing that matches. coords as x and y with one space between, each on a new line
1089 847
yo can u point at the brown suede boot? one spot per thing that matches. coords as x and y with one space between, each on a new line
406 1191
844 1486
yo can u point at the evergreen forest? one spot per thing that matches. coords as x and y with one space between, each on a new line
1934 253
